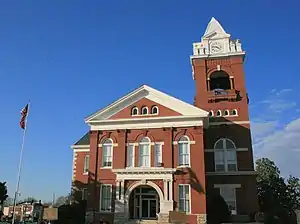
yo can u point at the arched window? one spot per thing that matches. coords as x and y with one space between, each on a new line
211 113
226 113
219 113
219 80
144 110
134 111
107 153
225 155
234 112
184 151
154 110
144 152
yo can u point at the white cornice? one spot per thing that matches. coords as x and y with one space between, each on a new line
212 56
145 123
80 146
140 170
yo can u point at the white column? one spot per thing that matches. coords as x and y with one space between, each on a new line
170 190
117 190
122 189
165 190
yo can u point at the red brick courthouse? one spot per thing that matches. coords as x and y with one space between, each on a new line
149 153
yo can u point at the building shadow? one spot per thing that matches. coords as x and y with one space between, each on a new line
192 178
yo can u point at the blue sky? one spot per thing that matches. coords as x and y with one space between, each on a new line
71 58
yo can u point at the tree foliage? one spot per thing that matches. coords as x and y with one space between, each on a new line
3 192
277 196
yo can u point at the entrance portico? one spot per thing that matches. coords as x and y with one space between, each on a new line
149 200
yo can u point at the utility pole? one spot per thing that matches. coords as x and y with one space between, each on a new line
53 199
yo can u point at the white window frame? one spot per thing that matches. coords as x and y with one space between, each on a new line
184 199
211 113
86 164
219 113
135 109
228 199
234 111
140 163
225 151
154 107
158 154
180 142
84 193
110 198
130 158
143 110
107 143
226 113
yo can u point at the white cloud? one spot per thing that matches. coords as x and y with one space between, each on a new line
272 136
279 100
282 146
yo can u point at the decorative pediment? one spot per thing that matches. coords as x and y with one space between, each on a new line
151 94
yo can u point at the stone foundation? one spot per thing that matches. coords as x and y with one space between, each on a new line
201 219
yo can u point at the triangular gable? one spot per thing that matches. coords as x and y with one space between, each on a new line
214 30
152 94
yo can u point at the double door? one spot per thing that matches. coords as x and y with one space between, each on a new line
148 208
145 208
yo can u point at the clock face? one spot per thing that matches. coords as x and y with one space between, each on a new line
216 47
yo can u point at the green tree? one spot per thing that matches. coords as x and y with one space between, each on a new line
3 193
8 202
276 197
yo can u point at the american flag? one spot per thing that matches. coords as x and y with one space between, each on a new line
24 113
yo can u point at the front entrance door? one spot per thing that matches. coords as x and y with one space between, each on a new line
149 208
145 203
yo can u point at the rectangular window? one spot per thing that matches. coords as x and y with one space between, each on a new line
231 160
84 192
144 151
130 156
184 154
105 197
86 164
184 197
107 155
219 161
158 155
228 193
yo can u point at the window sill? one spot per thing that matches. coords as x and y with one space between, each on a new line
85 173
106 167
183 166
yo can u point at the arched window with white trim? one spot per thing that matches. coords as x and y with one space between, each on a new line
184 151
144 152
219 113
154 110
134 111
226 113
144 110
234 112
225 155
107 153
211 113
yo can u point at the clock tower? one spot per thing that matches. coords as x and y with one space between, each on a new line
218 71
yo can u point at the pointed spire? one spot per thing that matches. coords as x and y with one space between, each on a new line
214 27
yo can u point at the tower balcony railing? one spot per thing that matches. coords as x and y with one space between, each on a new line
221 94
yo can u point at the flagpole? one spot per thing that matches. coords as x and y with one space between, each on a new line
20 167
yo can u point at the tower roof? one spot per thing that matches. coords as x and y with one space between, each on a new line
214 28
